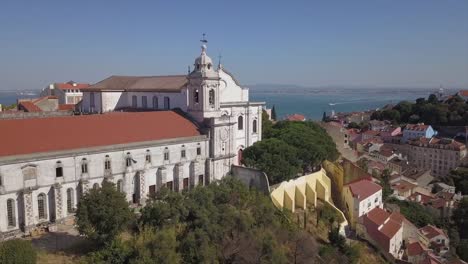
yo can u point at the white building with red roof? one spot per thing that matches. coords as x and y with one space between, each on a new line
67 93
414 131
46 164
384 229
360 197
438 239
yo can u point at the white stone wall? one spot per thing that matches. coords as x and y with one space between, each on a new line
374 201
13 182
230 91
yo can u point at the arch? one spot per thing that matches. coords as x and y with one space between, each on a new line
11 214
70 200
211 97
155 102
167 102
42 206
84 165
196 96
239 156
240 123
96 186
254 126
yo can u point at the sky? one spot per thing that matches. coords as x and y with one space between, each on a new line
383 43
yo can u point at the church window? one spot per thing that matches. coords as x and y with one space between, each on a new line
128 160
155 102
11 212
134 101
182 153
198 66
41 206
69 200
107 163
198 151
144 102
209 66
91 99
254 126
59 169
167 103
84 166
119 186
196 96
148 156
211 97
166 154
240 123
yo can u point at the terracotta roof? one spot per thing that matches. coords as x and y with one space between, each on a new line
463 92
295 117
390 228
389 223
66 107
403 185
71 85
378 215
430 259
170 83
416 127
36 100
431 231
415 249
27 136
371 133
29 106
363 188
424 198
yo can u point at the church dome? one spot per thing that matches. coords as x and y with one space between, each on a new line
203 62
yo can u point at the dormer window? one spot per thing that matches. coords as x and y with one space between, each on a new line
59 169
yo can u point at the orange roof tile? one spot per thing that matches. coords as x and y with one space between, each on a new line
29 106
363 188
415 249
296 117
431 231
35 135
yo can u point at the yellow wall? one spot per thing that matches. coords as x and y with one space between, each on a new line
304 191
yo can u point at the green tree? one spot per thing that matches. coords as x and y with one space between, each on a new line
17 251
266 125
276 158
324 117
460 217
273 113
354 125
116 252
462 249
103 213
414 212
460 179
156 246
432 99
385 182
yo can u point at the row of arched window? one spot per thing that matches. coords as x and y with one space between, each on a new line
240 124
211 97
155 104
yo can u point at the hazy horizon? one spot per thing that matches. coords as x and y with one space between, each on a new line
376 44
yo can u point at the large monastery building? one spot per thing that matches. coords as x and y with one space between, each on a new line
141 133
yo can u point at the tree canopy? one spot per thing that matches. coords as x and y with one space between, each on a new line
290 148
103 213
453 112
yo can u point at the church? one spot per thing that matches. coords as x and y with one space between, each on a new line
140 132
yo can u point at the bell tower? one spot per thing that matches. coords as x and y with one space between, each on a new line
203 88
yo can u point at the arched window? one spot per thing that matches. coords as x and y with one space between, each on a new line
211 97
167 103
144 102
148 156
58 169
128 160
134 101
69 200
119 186
240 123
96 186
84 166
166 153
11 212
155 102
41 206
196 96
209 66
254 126
107 163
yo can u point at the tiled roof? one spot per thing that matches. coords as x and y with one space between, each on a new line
296 117
28 136
371 133
463 92
29 106
416 127
170 83
431 231
363 188
437 143
378 215
66 107
403 185
415 249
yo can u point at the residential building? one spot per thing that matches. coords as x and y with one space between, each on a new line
415 131
67 93
383 229
295 117
360 197
416 252
43 104
435 154
47 164
377 125
463 94
438 239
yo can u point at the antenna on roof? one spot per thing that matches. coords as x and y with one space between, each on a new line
203 40
219 61
189 69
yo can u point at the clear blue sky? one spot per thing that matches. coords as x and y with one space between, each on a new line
313 43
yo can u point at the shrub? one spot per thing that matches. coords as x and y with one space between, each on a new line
17 252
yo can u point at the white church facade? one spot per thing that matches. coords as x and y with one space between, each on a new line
141 133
